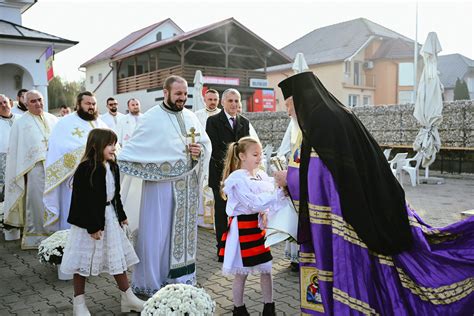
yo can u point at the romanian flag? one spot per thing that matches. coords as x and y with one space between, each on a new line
49 63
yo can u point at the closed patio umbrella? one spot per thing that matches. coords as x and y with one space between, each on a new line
198 101
429 103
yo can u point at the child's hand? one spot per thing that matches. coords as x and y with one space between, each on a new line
97 235
263 220
125 222
280 178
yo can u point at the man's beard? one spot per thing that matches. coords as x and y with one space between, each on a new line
86 116
22 106
173 106
113 110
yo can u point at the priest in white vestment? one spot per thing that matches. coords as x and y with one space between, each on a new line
24 178
126 125
206 206
20 108
6 122
112 115
66 148
167 153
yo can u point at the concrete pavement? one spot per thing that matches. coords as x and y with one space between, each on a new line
31 288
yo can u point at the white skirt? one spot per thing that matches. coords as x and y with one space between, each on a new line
112 254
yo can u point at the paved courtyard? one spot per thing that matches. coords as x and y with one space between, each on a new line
28 287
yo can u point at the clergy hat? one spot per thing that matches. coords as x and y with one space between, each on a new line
288 85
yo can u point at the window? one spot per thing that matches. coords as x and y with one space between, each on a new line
357 71
91 79
366 100
470 84
405 74
347 67
405 97
159 36
353 100
100 77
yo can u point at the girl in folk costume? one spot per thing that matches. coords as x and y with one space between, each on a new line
97 243
250 193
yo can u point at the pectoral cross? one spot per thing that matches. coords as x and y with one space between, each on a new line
193 134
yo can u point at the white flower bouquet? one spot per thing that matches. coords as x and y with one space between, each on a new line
180 299
51 249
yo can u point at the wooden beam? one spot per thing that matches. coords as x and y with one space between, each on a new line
135 65
182 54
223 44
205 51
189 48
226 39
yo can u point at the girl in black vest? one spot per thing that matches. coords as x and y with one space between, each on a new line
250 195
97 243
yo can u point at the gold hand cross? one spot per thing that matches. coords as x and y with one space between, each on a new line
193 134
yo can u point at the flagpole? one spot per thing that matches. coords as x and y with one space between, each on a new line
415 57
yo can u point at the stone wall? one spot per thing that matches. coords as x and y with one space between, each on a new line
395 125
390 124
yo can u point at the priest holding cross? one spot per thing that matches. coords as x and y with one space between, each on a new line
166 156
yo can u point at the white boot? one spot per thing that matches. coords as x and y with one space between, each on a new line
129 302
79 307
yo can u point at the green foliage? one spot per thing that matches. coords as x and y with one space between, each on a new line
63 92
461 91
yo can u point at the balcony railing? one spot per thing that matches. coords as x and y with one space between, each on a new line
156 78
363 81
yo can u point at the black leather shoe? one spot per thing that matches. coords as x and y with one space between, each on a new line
295 267
240 311
269 309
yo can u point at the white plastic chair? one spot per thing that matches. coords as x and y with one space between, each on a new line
386 152
412 166
396 164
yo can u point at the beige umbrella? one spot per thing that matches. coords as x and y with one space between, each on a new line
429 103
198 101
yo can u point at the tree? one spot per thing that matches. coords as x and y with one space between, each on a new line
461 92
62 92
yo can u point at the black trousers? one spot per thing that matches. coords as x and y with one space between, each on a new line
220 217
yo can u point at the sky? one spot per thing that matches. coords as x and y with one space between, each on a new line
98 24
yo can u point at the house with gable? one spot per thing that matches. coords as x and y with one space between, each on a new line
454 66
359 61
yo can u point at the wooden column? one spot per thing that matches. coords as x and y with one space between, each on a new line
226 41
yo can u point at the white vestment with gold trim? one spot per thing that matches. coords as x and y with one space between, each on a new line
24 176
162 198
66 148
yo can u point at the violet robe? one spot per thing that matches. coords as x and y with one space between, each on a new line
340 276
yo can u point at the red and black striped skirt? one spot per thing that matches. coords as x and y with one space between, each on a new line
252 241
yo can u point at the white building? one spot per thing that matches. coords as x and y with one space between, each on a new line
22 58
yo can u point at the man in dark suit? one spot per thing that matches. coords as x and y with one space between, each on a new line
224 128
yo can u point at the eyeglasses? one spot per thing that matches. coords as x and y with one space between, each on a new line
113 103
